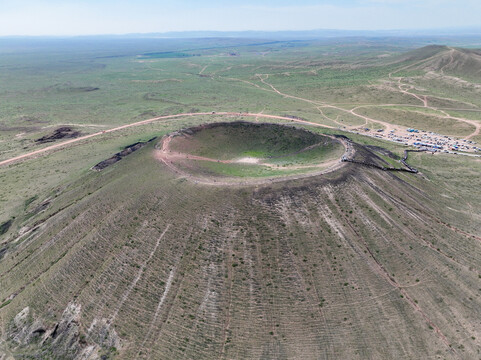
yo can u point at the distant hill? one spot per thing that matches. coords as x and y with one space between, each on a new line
465 63
425 52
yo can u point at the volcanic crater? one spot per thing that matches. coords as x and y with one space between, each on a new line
237 151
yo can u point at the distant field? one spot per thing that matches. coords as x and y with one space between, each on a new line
93 86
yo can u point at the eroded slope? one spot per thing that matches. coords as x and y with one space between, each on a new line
135 262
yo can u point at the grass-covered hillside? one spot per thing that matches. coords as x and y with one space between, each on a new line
234 140
135 262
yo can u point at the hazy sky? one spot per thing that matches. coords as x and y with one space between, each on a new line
68 17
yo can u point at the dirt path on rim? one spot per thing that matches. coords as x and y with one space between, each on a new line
163 154
177 155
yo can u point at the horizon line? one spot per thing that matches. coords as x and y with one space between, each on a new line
459 31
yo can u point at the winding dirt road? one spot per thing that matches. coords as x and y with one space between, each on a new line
388 126
148 121
263 78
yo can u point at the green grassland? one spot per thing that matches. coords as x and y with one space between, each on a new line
97 85
329 150
244 171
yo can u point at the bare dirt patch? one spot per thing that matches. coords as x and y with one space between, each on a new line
248 160
64 132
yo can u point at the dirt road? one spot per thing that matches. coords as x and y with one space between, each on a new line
388 126
143 122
